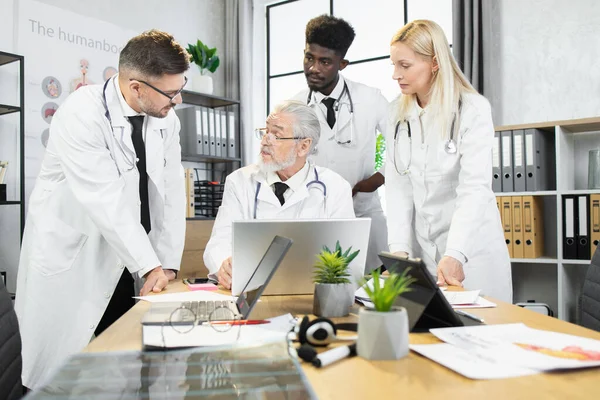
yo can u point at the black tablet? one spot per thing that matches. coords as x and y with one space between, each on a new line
425 304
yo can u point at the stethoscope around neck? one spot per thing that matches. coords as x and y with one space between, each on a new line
129 156
132 158
336 108
316 181
449 146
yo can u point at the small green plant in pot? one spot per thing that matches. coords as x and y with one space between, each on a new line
206 60
383 331
334 291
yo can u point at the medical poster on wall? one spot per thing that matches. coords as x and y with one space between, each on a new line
63 52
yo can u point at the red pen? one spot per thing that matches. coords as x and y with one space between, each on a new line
241 322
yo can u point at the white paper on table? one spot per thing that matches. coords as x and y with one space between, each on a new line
521 346
464 297
479 303
206 335
197 295
469 364
361 293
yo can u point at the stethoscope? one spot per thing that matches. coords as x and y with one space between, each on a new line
449 146
129 156
336 107
316 181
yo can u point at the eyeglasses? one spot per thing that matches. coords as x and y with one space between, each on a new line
160 91
270 137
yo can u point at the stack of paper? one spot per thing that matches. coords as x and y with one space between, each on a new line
504 351
467 299
185 296
361 295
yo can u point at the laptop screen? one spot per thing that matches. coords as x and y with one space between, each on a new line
262 274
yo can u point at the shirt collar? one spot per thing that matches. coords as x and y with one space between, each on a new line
420 110
336 93
127 110
294 182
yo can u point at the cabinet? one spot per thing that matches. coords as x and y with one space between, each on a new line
555 278
211 147
12 200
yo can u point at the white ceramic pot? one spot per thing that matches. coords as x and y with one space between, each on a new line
333 300
382 335
201 83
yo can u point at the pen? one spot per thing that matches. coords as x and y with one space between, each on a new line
333 355
241 322
469 315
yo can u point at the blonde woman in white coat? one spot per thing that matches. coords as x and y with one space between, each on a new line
440 204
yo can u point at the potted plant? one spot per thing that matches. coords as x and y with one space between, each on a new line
334 292
207 61
383 331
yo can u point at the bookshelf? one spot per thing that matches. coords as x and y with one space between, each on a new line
211 146
13 206
554 278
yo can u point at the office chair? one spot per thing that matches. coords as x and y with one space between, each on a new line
10 348
590 294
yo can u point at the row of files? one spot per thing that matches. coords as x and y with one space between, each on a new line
523 160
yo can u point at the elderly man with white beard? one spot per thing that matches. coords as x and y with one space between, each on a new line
283 185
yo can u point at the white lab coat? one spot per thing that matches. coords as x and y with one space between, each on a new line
356 161
446 201
83 225
305 203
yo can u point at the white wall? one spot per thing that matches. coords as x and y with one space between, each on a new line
187 20
547 60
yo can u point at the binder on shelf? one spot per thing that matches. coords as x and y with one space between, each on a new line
539 167
217 133
189 191
569 206
517 227
533 227
211 132
594 222
223 133
518 160
187 134
507 223
499 205
199 131
583 228
507 168
496 164
231 131
205 132
3 169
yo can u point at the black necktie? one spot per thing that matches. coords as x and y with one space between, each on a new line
330 113
137 137
280 189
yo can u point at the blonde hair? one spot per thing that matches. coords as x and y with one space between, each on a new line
427 39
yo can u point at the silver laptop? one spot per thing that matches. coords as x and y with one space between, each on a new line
185 313
295 274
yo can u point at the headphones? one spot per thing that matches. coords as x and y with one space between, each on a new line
322 331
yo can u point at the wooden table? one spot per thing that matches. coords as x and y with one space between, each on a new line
413 377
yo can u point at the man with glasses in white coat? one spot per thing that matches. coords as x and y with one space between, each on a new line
283 185
109 203
351 116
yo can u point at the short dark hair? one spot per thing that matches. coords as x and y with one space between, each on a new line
330 32
153 54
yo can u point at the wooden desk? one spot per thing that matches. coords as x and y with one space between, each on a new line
413 377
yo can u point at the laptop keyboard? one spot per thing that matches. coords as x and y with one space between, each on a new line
209 310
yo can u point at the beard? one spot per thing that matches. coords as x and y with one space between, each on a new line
150 109
274 165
